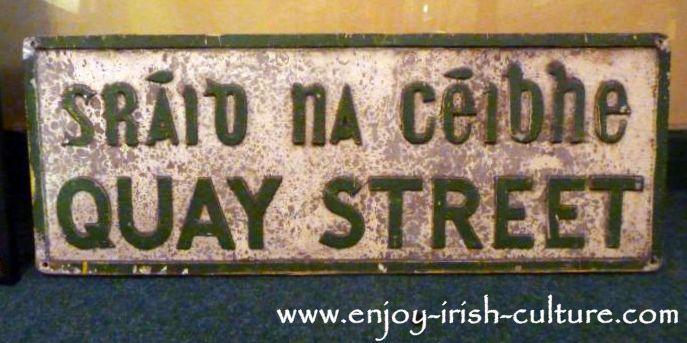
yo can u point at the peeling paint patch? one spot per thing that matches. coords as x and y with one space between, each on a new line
298 216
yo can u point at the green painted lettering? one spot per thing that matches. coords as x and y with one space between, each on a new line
565 85
165 214
220 92
114 114
519 86
255 206
615 186
344 210
408 112
69 104
96 234
346 122
506 213
558 211
395 188
459 215
205 198
603 110
299 97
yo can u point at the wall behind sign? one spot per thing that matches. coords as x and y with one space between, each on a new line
19 19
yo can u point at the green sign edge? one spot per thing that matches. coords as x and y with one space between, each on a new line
564 40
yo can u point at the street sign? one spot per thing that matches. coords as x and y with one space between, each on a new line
347 153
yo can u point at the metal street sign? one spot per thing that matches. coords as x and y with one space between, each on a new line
347 153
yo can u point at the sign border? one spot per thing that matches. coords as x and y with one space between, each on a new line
564 40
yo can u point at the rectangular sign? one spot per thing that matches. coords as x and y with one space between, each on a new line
347 153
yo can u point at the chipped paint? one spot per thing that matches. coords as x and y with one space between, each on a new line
297 216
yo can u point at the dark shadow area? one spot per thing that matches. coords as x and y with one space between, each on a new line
677 160
8 253
18 197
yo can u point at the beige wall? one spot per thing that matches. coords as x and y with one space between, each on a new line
19 19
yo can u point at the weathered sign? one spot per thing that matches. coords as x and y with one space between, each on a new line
347 153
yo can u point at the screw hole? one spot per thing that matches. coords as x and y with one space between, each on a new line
662 43
45 264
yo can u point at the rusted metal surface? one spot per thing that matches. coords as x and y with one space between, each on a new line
297 217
